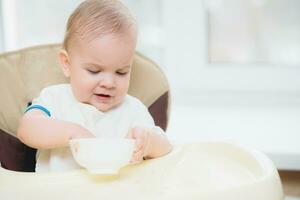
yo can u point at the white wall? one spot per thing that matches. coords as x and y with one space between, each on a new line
1 31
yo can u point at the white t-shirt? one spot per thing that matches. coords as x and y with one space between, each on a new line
115 123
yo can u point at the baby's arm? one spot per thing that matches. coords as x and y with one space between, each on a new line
37 130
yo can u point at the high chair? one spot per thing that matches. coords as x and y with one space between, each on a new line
25 72
201 170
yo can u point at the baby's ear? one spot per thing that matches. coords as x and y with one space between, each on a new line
64 62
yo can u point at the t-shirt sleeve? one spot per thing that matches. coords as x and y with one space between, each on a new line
143 118
46 100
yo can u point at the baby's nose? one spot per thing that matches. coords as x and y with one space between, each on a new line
107 80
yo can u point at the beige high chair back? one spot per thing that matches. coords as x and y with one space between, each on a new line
25 72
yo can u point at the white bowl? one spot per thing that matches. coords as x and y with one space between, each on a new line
102 155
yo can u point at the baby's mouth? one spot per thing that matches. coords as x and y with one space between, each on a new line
103 95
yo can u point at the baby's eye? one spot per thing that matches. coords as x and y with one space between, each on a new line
93 71
122 73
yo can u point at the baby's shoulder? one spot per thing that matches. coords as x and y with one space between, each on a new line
57 99
56 90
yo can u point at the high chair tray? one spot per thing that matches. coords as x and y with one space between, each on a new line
206 171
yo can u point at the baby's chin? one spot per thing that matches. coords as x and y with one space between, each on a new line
106 107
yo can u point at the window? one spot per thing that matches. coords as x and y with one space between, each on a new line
254 31
188 44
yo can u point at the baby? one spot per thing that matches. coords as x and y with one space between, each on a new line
97 55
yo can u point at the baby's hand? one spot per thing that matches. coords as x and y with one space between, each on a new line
142 143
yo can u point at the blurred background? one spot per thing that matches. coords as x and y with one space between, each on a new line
233 65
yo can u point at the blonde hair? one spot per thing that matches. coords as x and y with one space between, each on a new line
95 18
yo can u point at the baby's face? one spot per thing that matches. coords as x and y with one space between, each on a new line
99 70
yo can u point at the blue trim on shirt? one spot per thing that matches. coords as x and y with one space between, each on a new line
39 107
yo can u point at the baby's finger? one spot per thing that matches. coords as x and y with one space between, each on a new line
137 157
139 143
